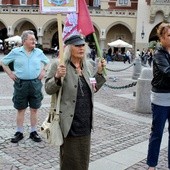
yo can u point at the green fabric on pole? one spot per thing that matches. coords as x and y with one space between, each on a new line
99 51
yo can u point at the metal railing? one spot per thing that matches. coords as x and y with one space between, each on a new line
124 86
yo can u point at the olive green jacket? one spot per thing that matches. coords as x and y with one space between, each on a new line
69 90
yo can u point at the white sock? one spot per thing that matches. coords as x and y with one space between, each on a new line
20 129
33 128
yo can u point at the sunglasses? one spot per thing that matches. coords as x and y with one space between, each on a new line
81 45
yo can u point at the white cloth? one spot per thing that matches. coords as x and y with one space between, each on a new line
137 54
161 99
55 48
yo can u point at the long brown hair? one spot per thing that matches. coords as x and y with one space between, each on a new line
162 29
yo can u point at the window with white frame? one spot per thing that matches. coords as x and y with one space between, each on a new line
123 3
0 2
23 2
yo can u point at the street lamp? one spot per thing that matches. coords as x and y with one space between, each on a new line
142 33
9 31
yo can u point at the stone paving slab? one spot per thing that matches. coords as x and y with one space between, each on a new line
162 164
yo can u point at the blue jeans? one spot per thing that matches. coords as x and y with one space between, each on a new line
159 117
108 58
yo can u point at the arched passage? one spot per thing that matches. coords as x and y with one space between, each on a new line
50 38
153 35
90 38
24 25
3 31
119 31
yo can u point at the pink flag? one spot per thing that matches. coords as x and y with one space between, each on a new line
85 25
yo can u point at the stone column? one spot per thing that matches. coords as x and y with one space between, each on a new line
10 31
102 39
102 44
143 91
39 40
39 34
136 69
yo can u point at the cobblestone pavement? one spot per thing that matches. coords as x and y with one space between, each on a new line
111 133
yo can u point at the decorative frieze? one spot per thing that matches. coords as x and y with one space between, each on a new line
20 10
93 12
161 2
165 9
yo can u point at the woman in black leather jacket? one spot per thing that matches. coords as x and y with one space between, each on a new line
160 96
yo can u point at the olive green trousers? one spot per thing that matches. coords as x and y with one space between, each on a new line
75 153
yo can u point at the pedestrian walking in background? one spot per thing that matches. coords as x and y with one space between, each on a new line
109 55
160 96
150 57
93 53
104 54
55 55
138 54
128 54
27 76
144 56
125 57
143 52
76 106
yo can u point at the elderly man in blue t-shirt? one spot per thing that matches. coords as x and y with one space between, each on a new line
27 76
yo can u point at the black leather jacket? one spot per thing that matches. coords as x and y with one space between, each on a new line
161 71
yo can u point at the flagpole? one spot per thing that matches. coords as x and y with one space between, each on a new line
99 51
60 38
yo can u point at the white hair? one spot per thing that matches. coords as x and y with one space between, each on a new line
25 34
67 52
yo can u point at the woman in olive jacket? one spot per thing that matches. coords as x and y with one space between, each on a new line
80 80
160 96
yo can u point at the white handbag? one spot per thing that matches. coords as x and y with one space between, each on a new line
50 128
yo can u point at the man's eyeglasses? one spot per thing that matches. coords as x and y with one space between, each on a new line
31 39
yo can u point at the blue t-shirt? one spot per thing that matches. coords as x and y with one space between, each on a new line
26 66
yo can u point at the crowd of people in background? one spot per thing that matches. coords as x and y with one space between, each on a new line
147 56
122 54
126 55
6 47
